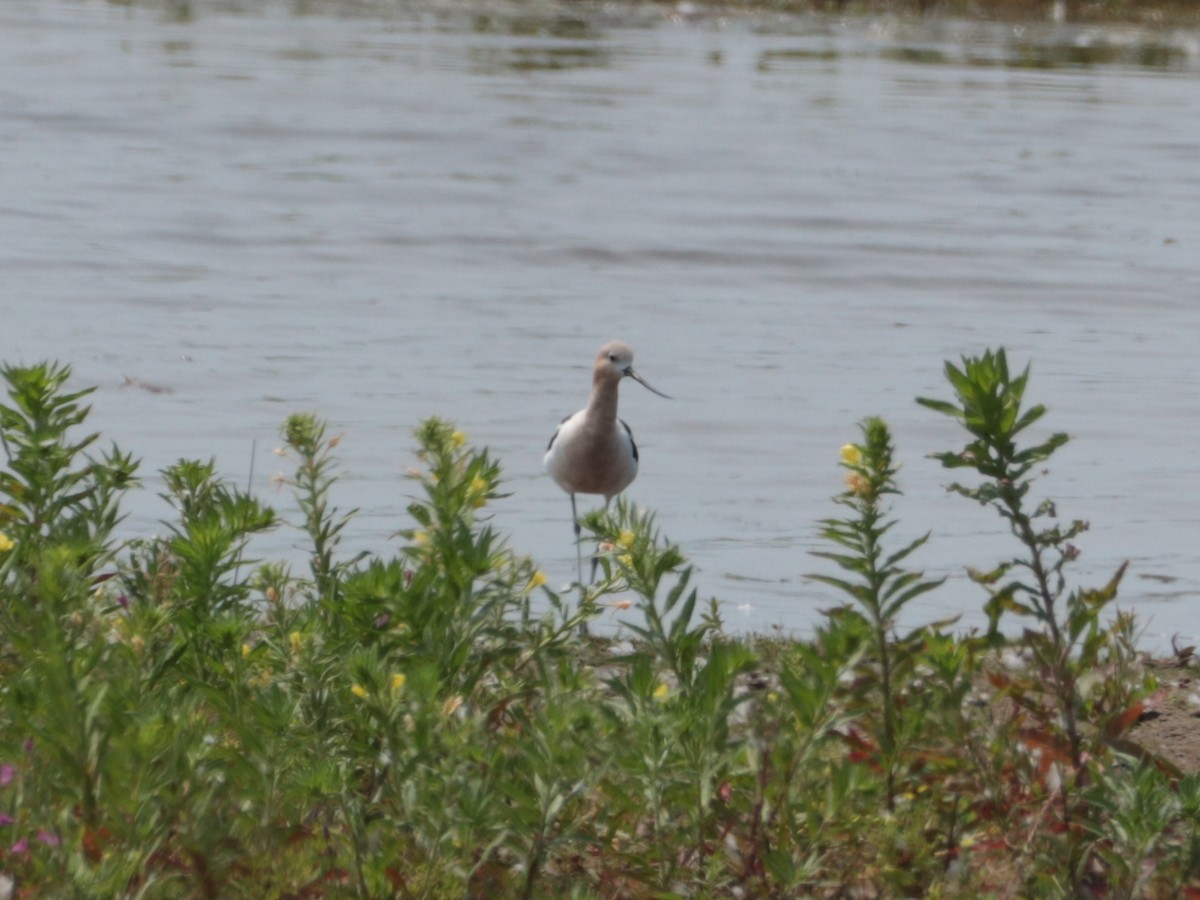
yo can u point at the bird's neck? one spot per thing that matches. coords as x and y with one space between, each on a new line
602 406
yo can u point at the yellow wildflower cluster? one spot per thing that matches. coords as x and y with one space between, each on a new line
6 543
624 542
856 481
477 492
398 680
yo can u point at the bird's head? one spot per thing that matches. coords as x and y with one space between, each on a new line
615 361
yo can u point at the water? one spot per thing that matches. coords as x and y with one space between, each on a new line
221 216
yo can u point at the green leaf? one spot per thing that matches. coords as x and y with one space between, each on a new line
1005 602
905 552
849 563
1102 596
912 593
963 385
941 406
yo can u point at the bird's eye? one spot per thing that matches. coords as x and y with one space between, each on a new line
612 357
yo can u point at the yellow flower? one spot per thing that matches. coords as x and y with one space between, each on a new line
772 697
398 681
661 691
6 543
296 639
458 439
420 537
358 690
626 560
851 455
245 650
478 491
625 539
536 580
451 705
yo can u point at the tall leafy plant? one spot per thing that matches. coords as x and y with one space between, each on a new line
58 508
1068 716
879 587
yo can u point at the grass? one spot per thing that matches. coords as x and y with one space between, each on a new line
179 721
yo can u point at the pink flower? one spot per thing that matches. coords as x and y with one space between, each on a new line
6 819
7 772
48 838
20 848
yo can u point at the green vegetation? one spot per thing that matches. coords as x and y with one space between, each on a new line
179 721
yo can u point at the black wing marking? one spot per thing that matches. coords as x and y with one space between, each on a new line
632 442
554 437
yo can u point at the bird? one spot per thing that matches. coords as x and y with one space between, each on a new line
593 451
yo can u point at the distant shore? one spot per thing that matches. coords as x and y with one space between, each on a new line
1171 13
1146 13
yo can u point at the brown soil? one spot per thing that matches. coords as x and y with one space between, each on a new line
1170 726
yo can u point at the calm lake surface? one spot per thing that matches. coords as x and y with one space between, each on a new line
221 216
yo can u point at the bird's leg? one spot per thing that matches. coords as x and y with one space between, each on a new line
596 555
583 629
578 551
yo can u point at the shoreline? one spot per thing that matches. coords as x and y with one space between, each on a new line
1123 12
1157 14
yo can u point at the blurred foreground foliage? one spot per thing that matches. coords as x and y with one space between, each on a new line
177 720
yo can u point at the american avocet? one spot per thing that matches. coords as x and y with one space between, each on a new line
593 452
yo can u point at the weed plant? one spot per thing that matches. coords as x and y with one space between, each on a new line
179 720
